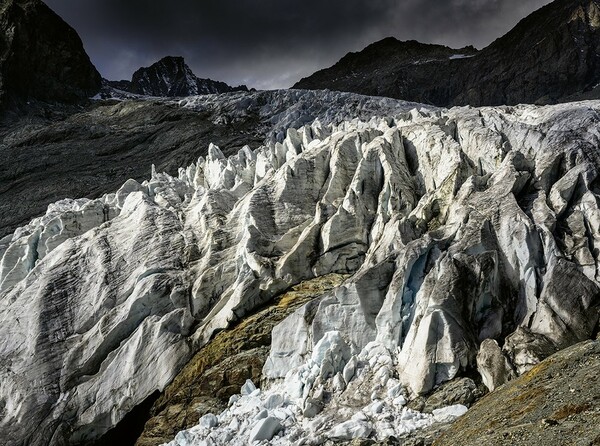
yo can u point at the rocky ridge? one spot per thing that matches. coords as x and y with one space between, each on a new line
171 77
550 56
557 400
457 226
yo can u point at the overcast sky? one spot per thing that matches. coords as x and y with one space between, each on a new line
272 43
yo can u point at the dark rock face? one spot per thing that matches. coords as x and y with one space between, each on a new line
41 57
390 68
550 56
171 77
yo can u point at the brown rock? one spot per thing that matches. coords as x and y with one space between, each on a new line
556 402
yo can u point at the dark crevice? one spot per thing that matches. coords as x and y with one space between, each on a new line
596 331
129 429
411 155
526 198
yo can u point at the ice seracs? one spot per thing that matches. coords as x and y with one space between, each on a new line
456 226
278 415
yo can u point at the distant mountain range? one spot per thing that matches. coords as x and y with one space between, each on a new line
550 56
553 55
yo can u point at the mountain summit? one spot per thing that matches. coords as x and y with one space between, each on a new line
553 55
172 77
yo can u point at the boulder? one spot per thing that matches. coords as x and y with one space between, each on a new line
492 365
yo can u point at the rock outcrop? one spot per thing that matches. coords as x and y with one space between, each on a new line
550 56
171 77
494 367
41 57
456 226
556 401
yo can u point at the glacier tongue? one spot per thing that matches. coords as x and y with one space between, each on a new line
458 226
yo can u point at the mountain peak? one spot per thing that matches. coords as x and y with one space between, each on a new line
174 59
172 62
171 77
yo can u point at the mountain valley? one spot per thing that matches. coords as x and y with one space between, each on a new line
403 249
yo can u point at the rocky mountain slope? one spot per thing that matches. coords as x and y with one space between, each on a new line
555 402
470 238
41 57
550 56
171 77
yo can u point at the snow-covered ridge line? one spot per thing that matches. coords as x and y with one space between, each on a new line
458 226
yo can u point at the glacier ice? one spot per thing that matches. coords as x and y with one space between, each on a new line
457 226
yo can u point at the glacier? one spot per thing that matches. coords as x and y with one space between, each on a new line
471 237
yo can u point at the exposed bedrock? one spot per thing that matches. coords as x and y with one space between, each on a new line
41 58
457 227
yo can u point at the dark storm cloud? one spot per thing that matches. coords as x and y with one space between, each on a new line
272 43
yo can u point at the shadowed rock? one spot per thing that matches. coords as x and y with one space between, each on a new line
550 56
41 57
